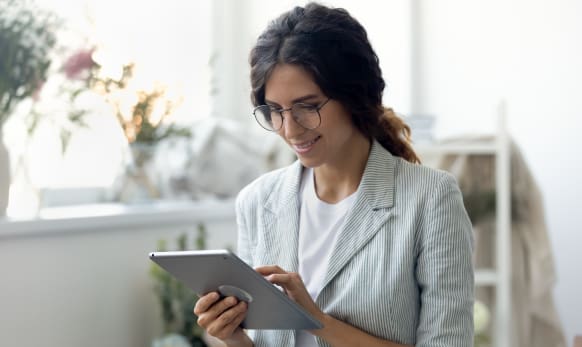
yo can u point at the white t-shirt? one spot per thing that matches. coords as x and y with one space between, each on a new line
319 226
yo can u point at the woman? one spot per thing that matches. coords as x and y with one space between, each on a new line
375 246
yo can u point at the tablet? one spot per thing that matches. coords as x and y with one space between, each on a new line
222 271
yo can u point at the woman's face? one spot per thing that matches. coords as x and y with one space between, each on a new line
327 144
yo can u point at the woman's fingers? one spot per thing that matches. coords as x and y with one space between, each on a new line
270 269
277 275
225 324
216 311
221 317
287 280
293 285
205 302
235 323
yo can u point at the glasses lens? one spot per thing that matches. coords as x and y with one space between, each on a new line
268 118
306 115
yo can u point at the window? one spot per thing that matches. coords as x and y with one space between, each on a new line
199 50
170 44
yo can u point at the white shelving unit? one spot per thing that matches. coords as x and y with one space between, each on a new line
498 277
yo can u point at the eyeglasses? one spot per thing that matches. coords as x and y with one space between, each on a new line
306 115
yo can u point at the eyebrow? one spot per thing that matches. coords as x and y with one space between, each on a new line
294 101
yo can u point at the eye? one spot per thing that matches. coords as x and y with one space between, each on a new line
306 107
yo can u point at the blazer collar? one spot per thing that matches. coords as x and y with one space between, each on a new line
376 187
375 194
280 221
371 210
287 191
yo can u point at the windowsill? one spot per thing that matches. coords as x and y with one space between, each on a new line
93 217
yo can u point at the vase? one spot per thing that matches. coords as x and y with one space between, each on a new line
4 176
140 183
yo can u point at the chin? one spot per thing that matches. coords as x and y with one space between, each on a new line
310 163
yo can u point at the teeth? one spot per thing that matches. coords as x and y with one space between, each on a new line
305 145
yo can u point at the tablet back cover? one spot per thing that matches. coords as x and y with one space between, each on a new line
206 271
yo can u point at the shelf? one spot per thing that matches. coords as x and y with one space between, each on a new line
496 146
115 215
473 147
485 277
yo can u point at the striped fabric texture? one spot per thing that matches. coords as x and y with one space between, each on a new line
402 267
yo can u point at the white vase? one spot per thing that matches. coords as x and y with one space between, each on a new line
140 182
4 176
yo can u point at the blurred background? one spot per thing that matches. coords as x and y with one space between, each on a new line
127 127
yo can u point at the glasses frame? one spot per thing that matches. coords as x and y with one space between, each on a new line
282 110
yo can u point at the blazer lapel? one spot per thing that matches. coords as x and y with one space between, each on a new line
370 210
281 221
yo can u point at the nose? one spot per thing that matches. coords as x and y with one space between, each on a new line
290 127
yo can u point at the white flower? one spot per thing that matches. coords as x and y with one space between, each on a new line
171 340
480 317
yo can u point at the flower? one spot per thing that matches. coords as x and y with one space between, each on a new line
27 37
142 111
171 340
63 100
481 317
81 61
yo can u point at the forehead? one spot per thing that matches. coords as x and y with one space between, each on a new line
288 82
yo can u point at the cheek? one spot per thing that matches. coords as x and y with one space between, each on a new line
339 125
338 116
281 134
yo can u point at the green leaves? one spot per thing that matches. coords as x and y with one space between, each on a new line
150 133
176 300
27 35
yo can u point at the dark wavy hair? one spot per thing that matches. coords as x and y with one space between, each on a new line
334 48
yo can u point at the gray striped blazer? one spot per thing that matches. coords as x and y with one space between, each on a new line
402 267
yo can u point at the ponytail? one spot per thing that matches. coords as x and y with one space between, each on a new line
334 48
394 135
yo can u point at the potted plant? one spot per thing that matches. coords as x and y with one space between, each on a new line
27 36
145 123
177 301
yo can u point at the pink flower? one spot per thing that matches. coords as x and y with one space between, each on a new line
77 63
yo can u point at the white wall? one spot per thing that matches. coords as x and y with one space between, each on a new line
89 288
476 53
473 55
238 24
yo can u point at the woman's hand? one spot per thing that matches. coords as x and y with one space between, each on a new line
335 332
293 286
221 318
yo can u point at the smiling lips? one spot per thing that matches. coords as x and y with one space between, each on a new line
304 147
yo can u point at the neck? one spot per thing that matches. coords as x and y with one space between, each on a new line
335 182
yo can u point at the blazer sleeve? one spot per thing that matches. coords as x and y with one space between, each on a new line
444 270
243 242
